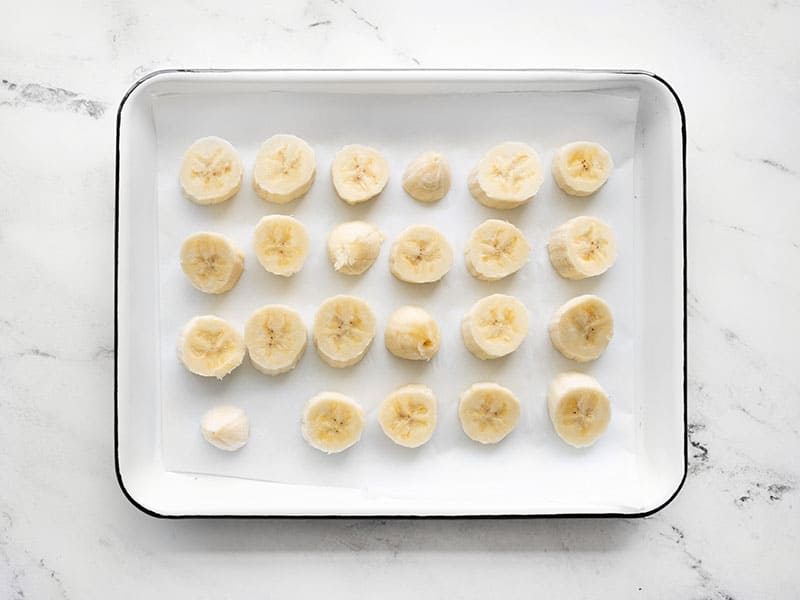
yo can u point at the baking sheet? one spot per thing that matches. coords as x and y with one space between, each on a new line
532 462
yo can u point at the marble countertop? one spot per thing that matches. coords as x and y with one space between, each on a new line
66 531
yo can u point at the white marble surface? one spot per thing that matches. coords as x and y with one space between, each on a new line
66 531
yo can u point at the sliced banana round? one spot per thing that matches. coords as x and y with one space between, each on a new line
579 408
507 176
581 168
212 262
226 427
427 177
496 249
495 326
343 330
211 171
420 254
210 346
582 328
332 422
488 412
354 247
276 338
408 415
281 244
582 247
284 169
412 333
359 173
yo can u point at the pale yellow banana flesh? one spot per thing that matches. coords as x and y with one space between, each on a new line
344 327
495 326
332 422
427 177
581 168
488 412
579 408
211 262
359 173
276 339
412 333
582 328
354 246
284 169
582 247
495 250
211 171
226 427
420 254
281 244
210 346
508 175
408 415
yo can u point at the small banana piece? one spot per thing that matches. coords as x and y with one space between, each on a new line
343 330
276 338
412 333
496 249
212 262
582 247
495 326
332 422
427 177
420 254
507 176
226 427
353 247
281 244
582 328
211 171
581 168
284 169
578 407
408 415
488 412
359 173
210 346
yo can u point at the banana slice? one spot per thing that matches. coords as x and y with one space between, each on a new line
496 249
427 177
495 326
276 338
582 247
488 412
332 422
281 244
211 171
210 346
507 176
581 168
343 330
226 427
582 328
212 262
412 333
284 169
408 415
420 254
359 173
353 247
579 408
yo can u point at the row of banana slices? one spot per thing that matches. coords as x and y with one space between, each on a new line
507 176
275 336
578 406
582 247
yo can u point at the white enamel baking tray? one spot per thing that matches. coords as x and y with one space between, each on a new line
166 469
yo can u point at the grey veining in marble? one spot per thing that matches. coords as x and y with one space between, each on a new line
66 531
